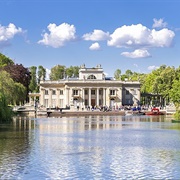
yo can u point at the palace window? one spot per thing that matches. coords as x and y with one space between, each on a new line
53 92
61 92
46 103
93 92
61 103
112 92
100 92
86 92
75 92
46 92
91 77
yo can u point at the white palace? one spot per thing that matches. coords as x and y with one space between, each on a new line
91 89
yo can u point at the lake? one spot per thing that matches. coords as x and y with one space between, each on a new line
92 147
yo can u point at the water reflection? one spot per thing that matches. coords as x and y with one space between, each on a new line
92 147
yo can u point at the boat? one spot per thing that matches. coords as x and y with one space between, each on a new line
154 111
175 121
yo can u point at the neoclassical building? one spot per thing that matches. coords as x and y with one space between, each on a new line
91 89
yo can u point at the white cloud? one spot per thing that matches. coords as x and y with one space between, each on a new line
58 35
159 23
96 35
95 46
138 53
138 36
152 67
8 32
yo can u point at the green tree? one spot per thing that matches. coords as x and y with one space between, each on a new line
19 74
33 81
175 97
19 94
72 71
128 73
14 92
117 74
5 111
7 86
4 61
10 93
41 73
57 72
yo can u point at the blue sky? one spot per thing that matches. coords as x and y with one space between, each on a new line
139 35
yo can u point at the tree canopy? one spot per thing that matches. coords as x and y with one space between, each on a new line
4 60
60 72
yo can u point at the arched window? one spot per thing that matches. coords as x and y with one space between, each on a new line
91 77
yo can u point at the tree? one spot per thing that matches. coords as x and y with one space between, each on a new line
117 74
4 61
72 71
5 111
76 71
19 74
14 92
57 72
33 81
129 73
41 73
175 97
7 86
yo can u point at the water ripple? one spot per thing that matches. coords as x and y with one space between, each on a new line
86 148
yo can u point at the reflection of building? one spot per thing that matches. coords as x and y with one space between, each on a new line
92 88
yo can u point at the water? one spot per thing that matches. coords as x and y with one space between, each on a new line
93 147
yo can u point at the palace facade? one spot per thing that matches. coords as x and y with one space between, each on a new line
91 89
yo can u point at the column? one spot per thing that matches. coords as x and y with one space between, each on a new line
42 103
120 96
82 89
64 97
57 99
89 97
67 96
97 97
50 97
107 97
104 96
138 96
71 96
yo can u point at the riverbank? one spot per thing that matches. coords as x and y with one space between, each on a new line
68 113
30 111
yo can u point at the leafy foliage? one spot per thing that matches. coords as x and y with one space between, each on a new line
13 92
61 72
33 81
41 73
5 111
117 74
4 61
19 74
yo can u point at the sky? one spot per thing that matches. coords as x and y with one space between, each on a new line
136 35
